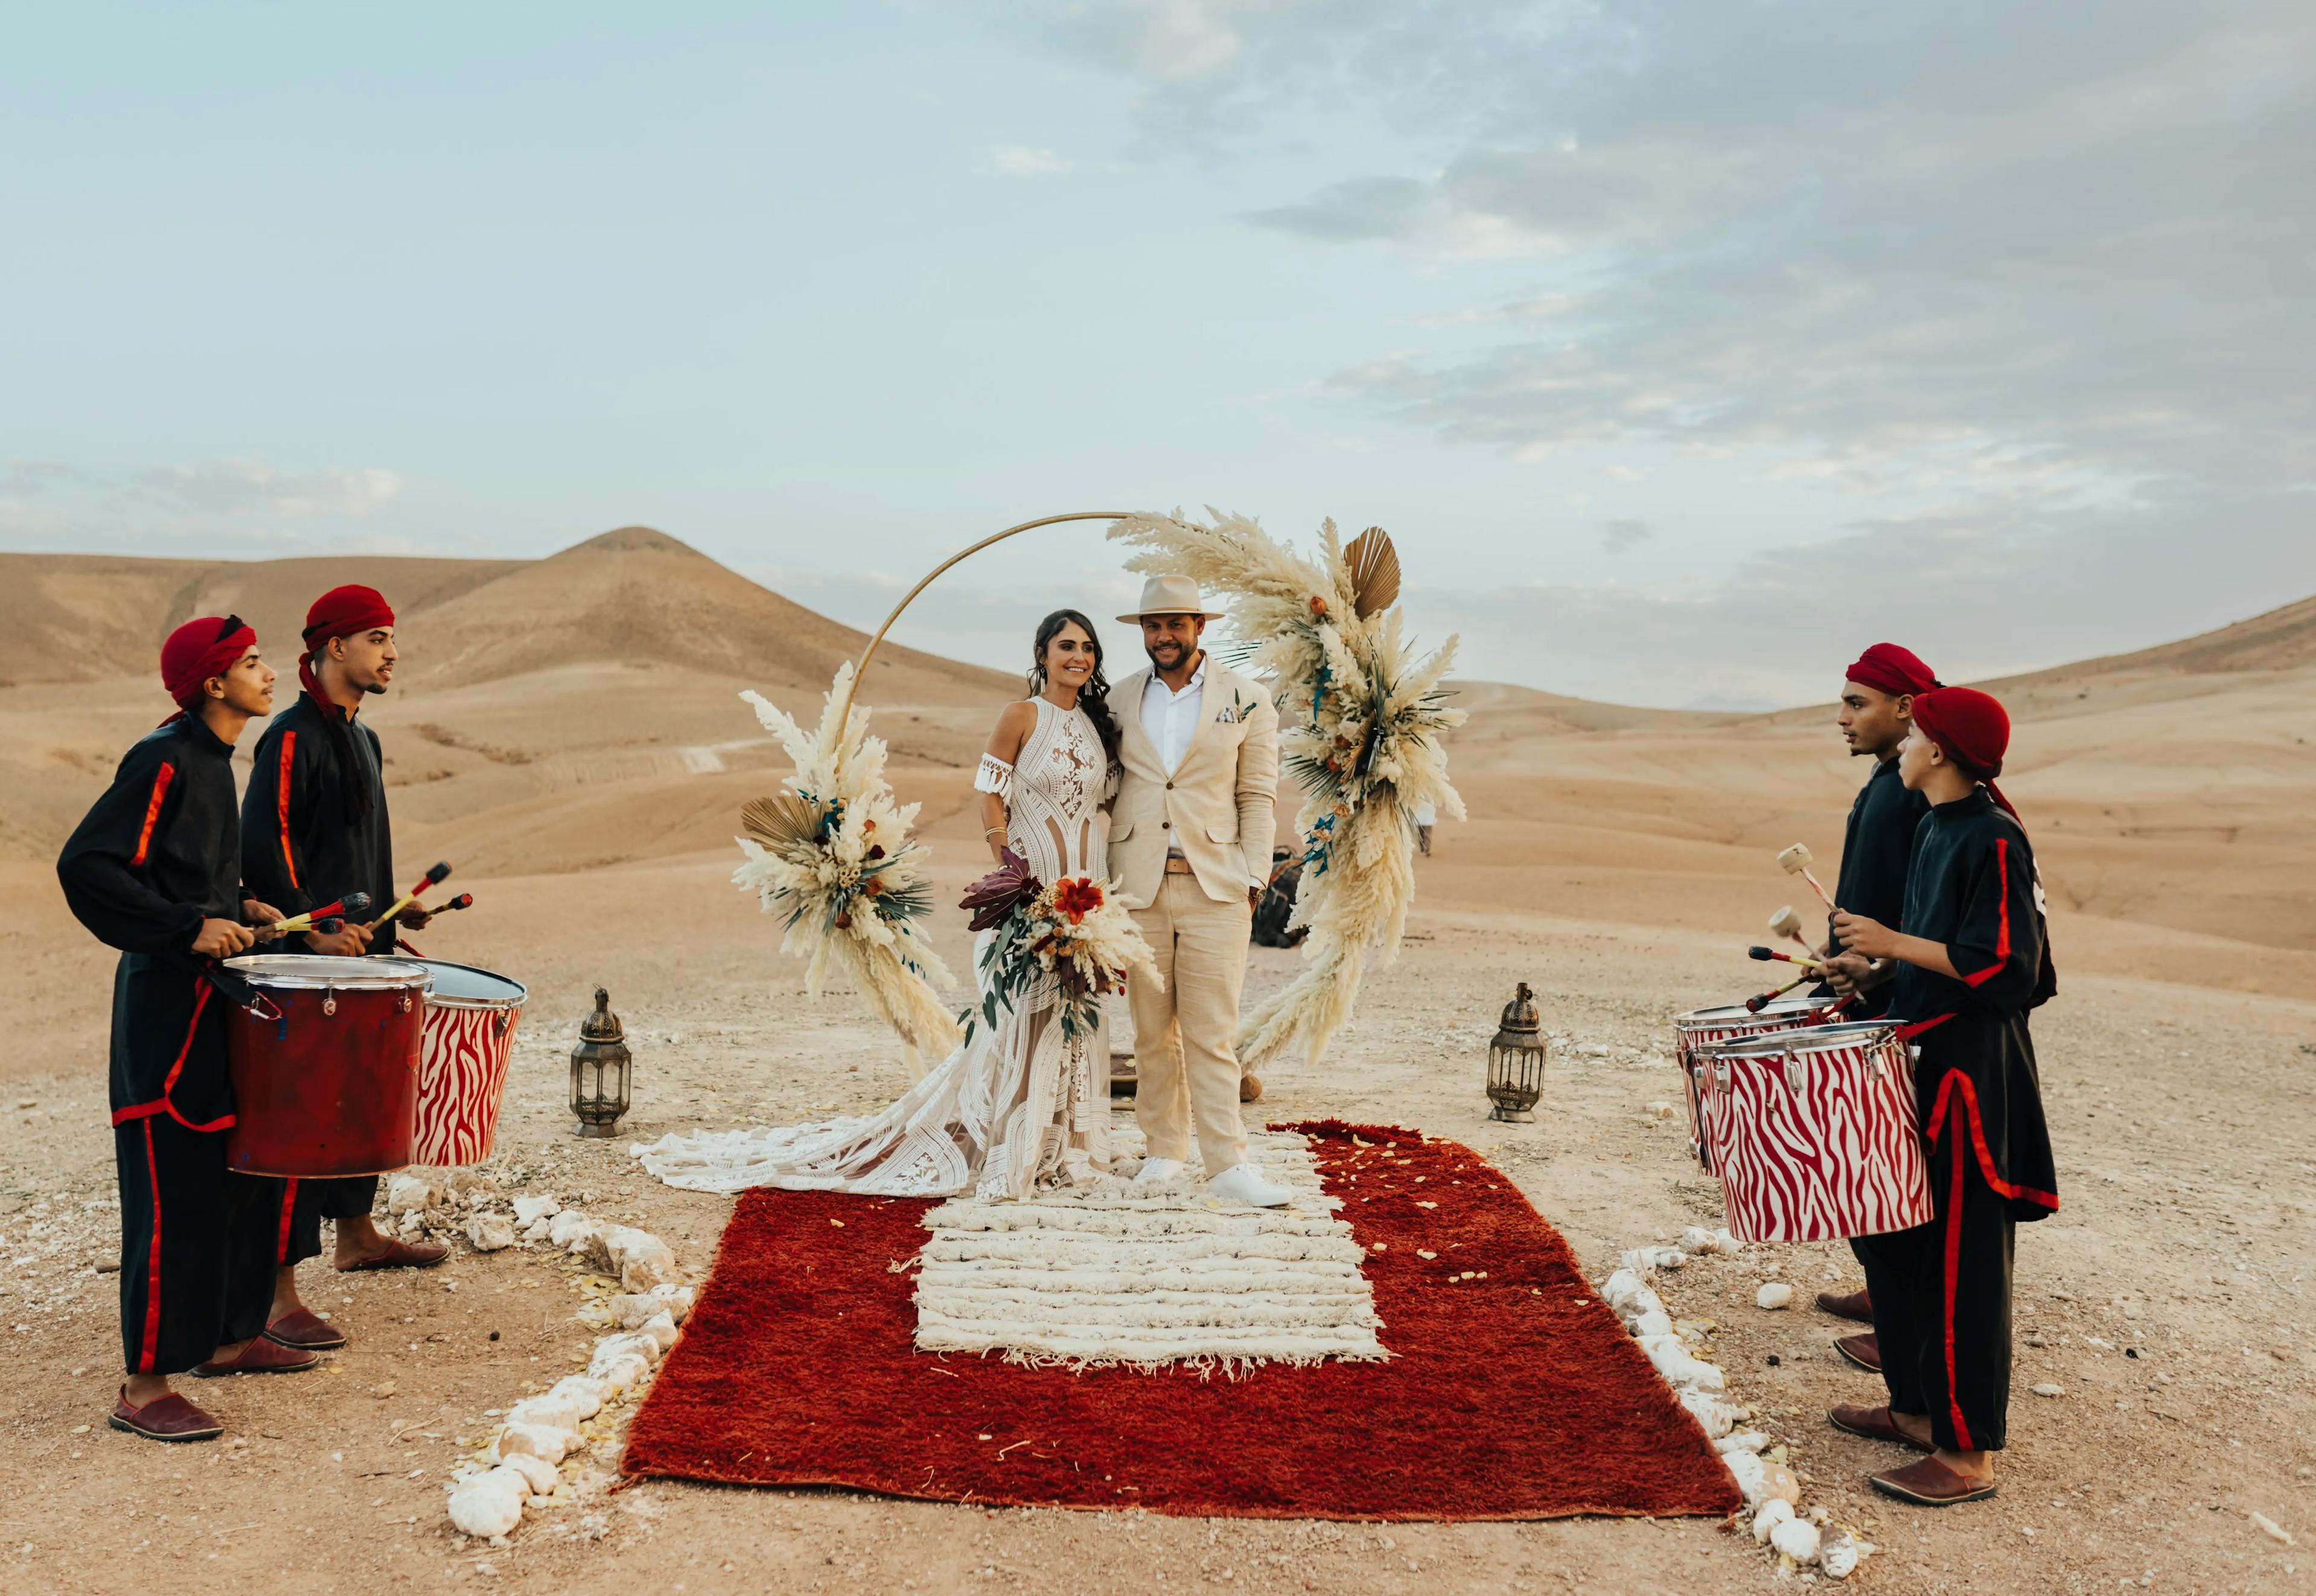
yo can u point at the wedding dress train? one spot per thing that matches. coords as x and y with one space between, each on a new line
1016 1106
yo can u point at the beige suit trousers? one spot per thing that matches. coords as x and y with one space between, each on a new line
1185 1062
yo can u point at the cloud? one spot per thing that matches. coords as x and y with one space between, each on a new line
43 503
1016 160
1623 533
2024 290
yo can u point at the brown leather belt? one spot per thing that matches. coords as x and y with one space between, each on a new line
1176 865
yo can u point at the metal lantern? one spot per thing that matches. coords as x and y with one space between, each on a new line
1516 1059
600 1071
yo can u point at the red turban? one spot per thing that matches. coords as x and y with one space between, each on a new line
340 612
1974 730
1891 668
203 647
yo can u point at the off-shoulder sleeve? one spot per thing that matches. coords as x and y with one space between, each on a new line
994 775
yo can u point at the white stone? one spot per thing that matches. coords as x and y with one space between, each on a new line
2271 1528
529 1210
583 1393
537 1472
553 1412
1838 1555
1715 1417
624 1372
490 1232
1776 1294
1698 1239
535 1231
645 1347
573 1231
2050 1388
1659 1110
676 1299
1625 1292
1773 1512
1796 1538
543 1441
1743 1441
1654 1321
1673 1361
490 1504
661 1328
411 1192
468 1177
1750 1473
1641 1260
640 1259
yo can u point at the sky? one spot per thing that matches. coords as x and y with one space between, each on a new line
1683 347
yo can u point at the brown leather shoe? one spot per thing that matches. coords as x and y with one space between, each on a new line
1874 1423
1864 1351
262 1355
164 1418
401 1254
1847 1305
306 1330
1249 1088
1929 1482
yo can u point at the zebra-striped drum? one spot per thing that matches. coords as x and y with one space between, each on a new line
463 1056
1816 1134
1701 1028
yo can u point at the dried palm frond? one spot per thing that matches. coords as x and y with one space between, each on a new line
1372 564
782 823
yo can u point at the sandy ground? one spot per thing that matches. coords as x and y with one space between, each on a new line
583 767
2167 1298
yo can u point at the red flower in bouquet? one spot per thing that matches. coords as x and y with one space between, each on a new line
1077 898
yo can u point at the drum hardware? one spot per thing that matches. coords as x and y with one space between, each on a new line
330 1003
1793 1075
404 1005
1795 861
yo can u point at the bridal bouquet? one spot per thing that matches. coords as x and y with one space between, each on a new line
835 855
1361 719
1074 931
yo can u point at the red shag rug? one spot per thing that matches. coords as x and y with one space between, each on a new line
1515 1395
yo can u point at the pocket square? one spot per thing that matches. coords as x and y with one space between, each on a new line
1225 715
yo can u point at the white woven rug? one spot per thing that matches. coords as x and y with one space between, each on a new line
1119 1274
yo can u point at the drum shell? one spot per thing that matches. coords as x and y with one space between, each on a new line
1816 1134
464 1058
328 1088
1702 1028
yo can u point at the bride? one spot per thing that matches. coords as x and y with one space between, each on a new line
1016 1107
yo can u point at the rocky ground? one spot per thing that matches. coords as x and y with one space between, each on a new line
2165 1303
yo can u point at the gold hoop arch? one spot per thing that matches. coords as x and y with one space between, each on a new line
860 670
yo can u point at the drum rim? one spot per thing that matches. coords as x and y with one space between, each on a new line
316 972
1778 1008
435 1000
1807 1039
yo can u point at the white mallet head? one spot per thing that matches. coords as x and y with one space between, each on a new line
1796 859
1785 922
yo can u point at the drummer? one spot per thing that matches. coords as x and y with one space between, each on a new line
155 870
314 827
1877 708
1974 961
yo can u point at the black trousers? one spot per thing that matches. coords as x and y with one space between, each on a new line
196 1246
1942 1305
304 1204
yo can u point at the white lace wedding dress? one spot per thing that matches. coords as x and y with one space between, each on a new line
1013 1109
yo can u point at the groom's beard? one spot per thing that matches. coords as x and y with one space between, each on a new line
1168 656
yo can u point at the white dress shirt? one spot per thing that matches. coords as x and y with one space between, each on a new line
1170 717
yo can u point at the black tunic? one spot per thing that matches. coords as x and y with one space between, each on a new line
158 853
297 844
1971 886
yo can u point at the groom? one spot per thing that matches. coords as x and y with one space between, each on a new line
1190 839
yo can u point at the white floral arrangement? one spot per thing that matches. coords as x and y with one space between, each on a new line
1361 720
836 857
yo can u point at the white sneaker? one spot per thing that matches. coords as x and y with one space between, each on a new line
1157 1172
1242 1182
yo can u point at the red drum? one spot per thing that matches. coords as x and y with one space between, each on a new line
329 1085
1701 1028
462 1076
1816 1134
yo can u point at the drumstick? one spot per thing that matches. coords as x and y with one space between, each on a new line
429 879
465 900
329 919
1754 1005
1785 922
1760 953
1795 861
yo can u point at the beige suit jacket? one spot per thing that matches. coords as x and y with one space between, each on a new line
1216 808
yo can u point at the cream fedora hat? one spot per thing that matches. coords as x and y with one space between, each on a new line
1171 595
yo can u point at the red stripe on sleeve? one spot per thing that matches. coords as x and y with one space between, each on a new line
281 803
161 780
2002 930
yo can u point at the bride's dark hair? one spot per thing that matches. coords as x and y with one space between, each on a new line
1093 698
